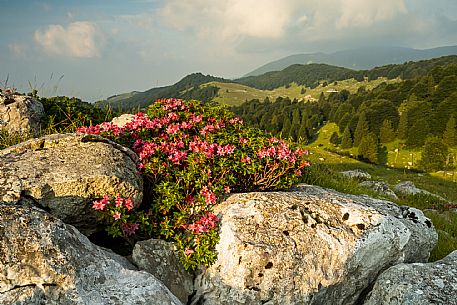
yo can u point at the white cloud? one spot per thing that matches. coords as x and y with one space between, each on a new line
362 13
18 50
79 39
231 19
235 22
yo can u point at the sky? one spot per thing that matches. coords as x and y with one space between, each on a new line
93 49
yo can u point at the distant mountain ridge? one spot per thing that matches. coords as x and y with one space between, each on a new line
357 59
129 101
304 75
311 74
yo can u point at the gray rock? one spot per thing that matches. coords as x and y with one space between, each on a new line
408 188
44 261
63 174
417 284
357 174
308 246
380 187
123 119
20 114
159 258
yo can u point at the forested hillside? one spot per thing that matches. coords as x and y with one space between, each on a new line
190 87
306 75
186 88
312 74
411 111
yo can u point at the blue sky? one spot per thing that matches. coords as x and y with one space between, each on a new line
106 47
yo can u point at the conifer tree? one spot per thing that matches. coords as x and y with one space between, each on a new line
303 134
368 148
346 140
344 121
418 133
361 130
286 127
450 133
334 138
402 130
386 133
434 155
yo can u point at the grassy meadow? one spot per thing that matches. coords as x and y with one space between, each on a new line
326 168
234 94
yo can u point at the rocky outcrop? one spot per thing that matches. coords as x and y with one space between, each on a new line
63 174
159 258
308 246
408 188
357 174
20 114
44 261
123 119
417 284
380 187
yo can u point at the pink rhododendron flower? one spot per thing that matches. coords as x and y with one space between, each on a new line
227 189
128 203
129 228
246 160
117 216
225 150
119 200
188 251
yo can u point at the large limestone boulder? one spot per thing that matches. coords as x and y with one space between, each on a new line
62 174
417 284
159 258
308 246
20 113
44 261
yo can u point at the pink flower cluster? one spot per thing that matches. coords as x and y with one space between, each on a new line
209 150
225 150
103 127
118 200
127 202
210 197
129 228
101 204
172 104
205 224
280 152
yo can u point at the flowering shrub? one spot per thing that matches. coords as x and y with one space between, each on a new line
190 154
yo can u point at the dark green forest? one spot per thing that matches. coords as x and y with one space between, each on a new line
412 111
186 88
312 74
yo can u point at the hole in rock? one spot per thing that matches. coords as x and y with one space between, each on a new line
428 223
118 245
346 216
260 274
285 233
361 226
269 265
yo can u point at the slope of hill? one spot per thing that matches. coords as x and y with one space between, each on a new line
359 59
312 74
182 89
234 94
288 82
306 75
